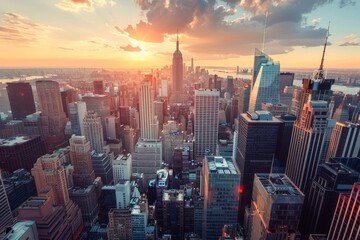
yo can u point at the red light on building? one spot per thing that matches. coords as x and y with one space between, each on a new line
241 189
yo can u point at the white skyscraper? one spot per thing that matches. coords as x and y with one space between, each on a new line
206 121
149 125
93 131
266 82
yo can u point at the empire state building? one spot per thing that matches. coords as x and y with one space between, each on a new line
177 74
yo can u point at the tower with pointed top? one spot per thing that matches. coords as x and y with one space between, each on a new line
177 74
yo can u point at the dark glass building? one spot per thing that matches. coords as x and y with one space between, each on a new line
331 180
20 152
21 99
256 146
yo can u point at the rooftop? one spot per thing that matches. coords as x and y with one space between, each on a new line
221 165
19 229
16 140
260 117
278 184
178 195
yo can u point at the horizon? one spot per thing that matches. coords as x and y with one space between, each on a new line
135 34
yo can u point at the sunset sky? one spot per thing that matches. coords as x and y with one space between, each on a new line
142 33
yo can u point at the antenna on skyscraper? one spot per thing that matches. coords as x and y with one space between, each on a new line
177 39
323 55
264 37
319 74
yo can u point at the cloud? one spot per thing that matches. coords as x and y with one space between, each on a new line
130 48
102 42
344 3
210 27
349 40
14 15
77 6
119 29
20 29
65 48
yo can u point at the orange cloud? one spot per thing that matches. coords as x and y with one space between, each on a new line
144 32
130 48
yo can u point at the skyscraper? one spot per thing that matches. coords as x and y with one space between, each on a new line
221 183
275 209
265 87
256 147
6 218
149 125
345 140
93 131
206 121
147 158
342 113
244 98
346 221
286 79
177 74
309 143
49 174
53 119
331 180
50 177
80 154
77 113
20 152
98 87
99 104
21 99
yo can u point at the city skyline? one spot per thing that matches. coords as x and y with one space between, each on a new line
131 34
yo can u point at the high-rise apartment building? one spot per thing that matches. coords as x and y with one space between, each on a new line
93 131
177 75
256 147
53 118
275 209
21 99
220 186
77 113
125 116
80 154
309 143
346 221
149 125
6 218
206 124
20 152
265 85
345 140
331 180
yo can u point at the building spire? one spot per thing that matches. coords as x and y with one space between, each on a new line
323 55
177 39
264 37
